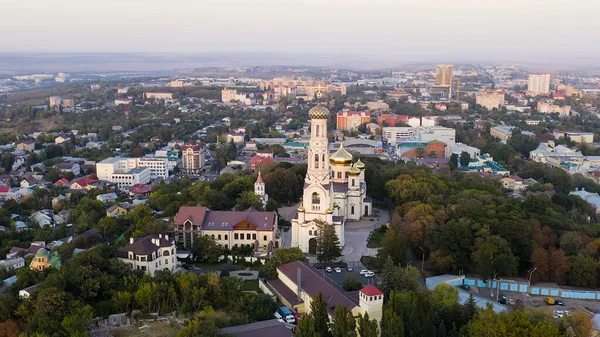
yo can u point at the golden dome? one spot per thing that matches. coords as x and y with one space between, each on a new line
318 112
354 171
341 156
359 164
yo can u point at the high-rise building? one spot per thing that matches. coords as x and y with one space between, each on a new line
490 99
539 84
443 74
192 159
352 120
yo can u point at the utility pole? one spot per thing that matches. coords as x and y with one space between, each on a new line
423 260
498 290
530 274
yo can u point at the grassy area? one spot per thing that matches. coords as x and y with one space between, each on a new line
371 263
156 329
376 236
251 285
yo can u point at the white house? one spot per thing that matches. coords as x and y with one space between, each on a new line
150 254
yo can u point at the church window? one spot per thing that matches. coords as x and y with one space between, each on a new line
309 232
323 161
315 198
339 175
225 236
352 210
212 236
352 182
219 237
317 131
346 175
264 238
316 161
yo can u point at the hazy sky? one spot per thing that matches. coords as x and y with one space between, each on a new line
453 30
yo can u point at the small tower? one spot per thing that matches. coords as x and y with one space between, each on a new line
259 189
371 301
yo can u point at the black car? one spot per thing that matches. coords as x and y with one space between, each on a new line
559 302
503 296
465 287
502 301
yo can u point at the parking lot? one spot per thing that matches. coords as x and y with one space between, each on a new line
338 278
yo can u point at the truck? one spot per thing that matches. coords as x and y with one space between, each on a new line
287 315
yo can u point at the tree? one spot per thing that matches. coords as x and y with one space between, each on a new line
351 284
465 159
7 161
206 249
367 327
453 162
9 329
540 259
584 272
249 200
328 243
317 322
494 257
306 328
392 324
580 322
560 266
545 329
281 256
445 294
76 324
261 308
343 323
392 245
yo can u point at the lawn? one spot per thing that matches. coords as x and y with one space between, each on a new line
376 236
155 329
251 285
371 263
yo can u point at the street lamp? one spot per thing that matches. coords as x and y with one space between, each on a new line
498 290
530 274
407 264
423 260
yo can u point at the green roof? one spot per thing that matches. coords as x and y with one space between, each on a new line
42 252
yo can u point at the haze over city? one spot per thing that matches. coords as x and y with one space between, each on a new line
382 30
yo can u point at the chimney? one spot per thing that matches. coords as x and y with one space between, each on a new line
299 282
160 236
130 240
167 237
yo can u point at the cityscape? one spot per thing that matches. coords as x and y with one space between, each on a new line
296 190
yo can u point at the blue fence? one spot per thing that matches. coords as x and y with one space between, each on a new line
523 287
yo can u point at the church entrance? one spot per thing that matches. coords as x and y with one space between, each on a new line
312 246
366 210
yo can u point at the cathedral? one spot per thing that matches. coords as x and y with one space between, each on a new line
334 187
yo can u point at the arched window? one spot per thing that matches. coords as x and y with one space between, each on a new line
339 175
309 232
225 236
213 236
323 160
264 238
219 237
352 210
316 161
316 200
352 182
317 131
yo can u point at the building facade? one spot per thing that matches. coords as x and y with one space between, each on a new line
334 188
539 84
149 254
131 171
352 120
192 158
230 229
158 95
444 74
490 99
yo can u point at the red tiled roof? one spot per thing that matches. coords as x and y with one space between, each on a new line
62 181
195 214
225 220
371 290
140 189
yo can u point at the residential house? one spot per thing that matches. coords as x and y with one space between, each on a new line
82 184
20 226
107 197
140 189
257 160
27 145
591 198
14 263
149 254
27 292
14 251
44 259
115 210
62 182
230 229
69 167
42 218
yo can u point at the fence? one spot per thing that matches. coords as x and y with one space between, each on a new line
523 287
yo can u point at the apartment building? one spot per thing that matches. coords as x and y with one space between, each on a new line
132 171
352 120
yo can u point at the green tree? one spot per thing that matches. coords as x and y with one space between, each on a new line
453 162
249 200
328 243
320 316
445 294
494 257
392 324
367 327
584 271
261 308
343 323
351 283
206 249
465 159
392 245
76 324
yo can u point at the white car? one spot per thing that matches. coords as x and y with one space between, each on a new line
363 271
369 274
338 270
328 269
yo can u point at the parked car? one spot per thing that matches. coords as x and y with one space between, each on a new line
328 269
502 301
338 270
510 301
558 301
369 274
503 296
549 301
465 287
349 268
363 271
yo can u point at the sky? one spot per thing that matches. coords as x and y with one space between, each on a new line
419 30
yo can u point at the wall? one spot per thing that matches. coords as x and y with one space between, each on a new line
523 287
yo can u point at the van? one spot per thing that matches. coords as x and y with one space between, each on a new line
549 301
